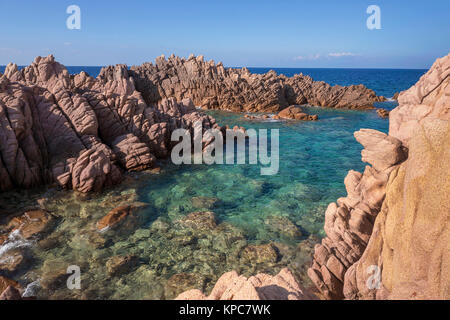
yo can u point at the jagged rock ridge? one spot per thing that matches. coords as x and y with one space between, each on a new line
79 131
212 86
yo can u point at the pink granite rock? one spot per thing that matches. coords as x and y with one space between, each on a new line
428 98
81 132
231 286
212 86
394 216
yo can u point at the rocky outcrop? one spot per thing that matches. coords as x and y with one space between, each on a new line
296 113
30 224
389 238
5 283
349 222
81 132
231 286
212 86
10 293
427 99
383 113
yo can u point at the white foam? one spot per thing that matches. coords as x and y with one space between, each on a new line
31 289
14 241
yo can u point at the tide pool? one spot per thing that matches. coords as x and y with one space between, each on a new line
261 224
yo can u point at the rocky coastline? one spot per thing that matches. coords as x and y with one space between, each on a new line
389 238
212 86
394 222
82 133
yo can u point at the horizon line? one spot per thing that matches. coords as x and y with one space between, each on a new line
240 67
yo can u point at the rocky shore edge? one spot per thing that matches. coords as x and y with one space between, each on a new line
82 133
389 238
393 222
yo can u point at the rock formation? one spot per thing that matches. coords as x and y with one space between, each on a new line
212 86
295 113
389 238
383 113
231 286
81 132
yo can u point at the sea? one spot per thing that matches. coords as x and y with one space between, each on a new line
263 223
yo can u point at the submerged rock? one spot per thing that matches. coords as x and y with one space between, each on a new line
54 274
120 265
204 220
31 223
11 261
181 282
204 202
3 238
264 253
113 218
283 227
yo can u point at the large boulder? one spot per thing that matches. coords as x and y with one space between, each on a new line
296 113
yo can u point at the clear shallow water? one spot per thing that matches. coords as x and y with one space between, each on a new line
284 212
279 217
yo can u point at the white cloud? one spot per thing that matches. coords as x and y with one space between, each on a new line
67 43
342 54
310 57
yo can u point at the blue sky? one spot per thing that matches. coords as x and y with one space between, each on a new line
238 33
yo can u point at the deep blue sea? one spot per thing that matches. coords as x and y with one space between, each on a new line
251 209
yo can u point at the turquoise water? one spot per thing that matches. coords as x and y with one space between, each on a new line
279 217
314 160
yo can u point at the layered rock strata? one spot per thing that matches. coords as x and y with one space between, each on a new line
212 86
389 238
81 132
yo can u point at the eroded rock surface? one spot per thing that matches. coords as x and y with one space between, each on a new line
212 86
231 286
296 113
389 238
81 132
